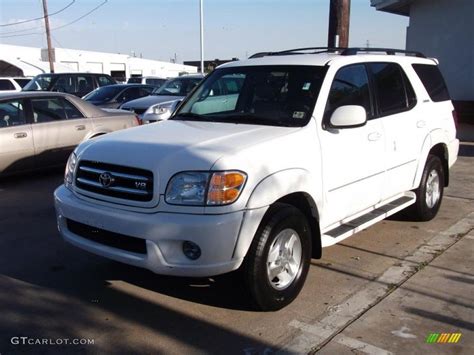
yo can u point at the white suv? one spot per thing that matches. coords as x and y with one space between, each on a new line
265 163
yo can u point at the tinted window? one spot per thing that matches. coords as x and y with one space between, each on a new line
22 82
129 94
71 111
275 95
84 84
134 81
350 87
64 83
105 93
40 82
11 113
104 80
48 109
433 81
145 91
6 85
389 81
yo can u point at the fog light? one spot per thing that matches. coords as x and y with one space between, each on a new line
191 250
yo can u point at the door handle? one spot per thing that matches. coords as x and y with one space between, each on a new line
81 127
374 136
421 124
20 135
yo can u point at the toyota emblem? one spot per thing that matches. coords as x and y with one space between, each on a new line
106 179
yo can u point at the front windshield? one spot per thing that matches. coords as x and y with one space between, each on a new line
105 93
176 87
269 95
40 82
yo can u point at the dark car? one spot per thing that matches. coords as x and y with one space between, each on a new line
78 84
112 96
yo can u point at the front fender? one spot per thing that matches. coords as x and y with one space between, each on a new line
267 192
280 184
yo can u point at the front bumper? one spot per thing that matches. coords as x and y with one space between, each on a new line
164 234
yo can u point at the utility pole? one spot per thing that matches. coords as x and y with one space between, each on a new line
201 10
339 19
48 37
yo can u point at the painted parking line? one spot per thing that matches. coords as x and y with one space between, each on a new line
315 335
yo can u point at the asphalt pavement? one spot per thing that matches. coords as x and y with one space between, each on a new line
398 276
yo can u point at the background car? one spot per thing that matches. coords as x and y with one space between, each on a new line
13 84
173 90
78 84
39 130
112 96
148 80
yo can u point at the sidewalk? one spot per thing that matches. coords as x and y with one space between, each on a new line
437 299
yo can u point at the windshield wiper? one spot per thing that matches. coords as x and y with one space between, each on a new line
189 115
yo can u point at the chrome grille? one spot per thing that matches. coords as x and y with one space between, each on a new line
115 180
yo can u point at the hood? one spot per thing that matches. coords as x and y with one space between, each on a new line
147 101
173 146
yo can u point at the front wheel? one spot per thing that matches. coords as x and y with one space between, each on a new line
430 192
277 263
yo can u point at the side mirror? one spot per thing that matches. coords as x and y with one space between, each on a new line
349 116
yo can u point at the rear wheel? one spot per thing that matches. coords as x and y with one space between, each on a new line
277 263
430 192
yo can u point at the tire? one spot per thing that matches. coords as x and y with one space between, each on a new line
430 192
285 232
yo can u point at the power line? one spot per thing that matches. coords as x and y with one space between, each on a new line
80 18
38 18
59 27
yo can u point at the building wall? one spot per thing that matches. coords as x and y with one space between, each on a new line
444 29
99 62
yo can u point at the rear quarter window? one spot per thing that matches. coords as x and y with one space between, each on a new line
433 81
6 84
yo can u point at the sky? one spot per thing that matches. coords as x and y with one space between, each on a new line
159 29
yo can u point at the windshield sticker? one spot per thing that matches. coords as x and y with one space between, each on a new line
298 114
306 86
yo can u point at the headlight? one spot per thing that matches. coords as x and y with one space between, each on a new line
188 188
164 110
202 188
69 172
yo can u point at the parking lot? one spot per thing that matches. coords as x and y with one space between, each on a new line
51 290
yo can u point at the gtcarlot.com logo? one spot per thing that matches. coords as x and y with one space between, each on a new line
50 341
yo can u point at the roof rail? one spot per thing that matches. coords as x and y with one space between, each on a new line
313 50
388 51
340 50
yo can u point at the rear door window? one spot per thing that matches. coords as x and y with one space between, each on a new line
393 89
71 111
84 84
48 110
433 81
12 113
65 83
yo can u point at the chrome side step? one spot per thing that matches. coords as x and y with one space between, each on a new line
380 212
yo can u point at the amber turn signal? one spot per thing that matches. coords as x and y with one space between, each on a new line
225 187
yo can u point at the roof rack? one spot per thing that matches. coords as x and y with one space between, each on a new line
338 50
388 51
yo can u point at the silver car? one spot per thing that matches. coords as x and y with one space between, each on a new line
40 129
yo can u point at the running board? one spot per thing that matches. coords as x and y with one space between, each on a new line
355 225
